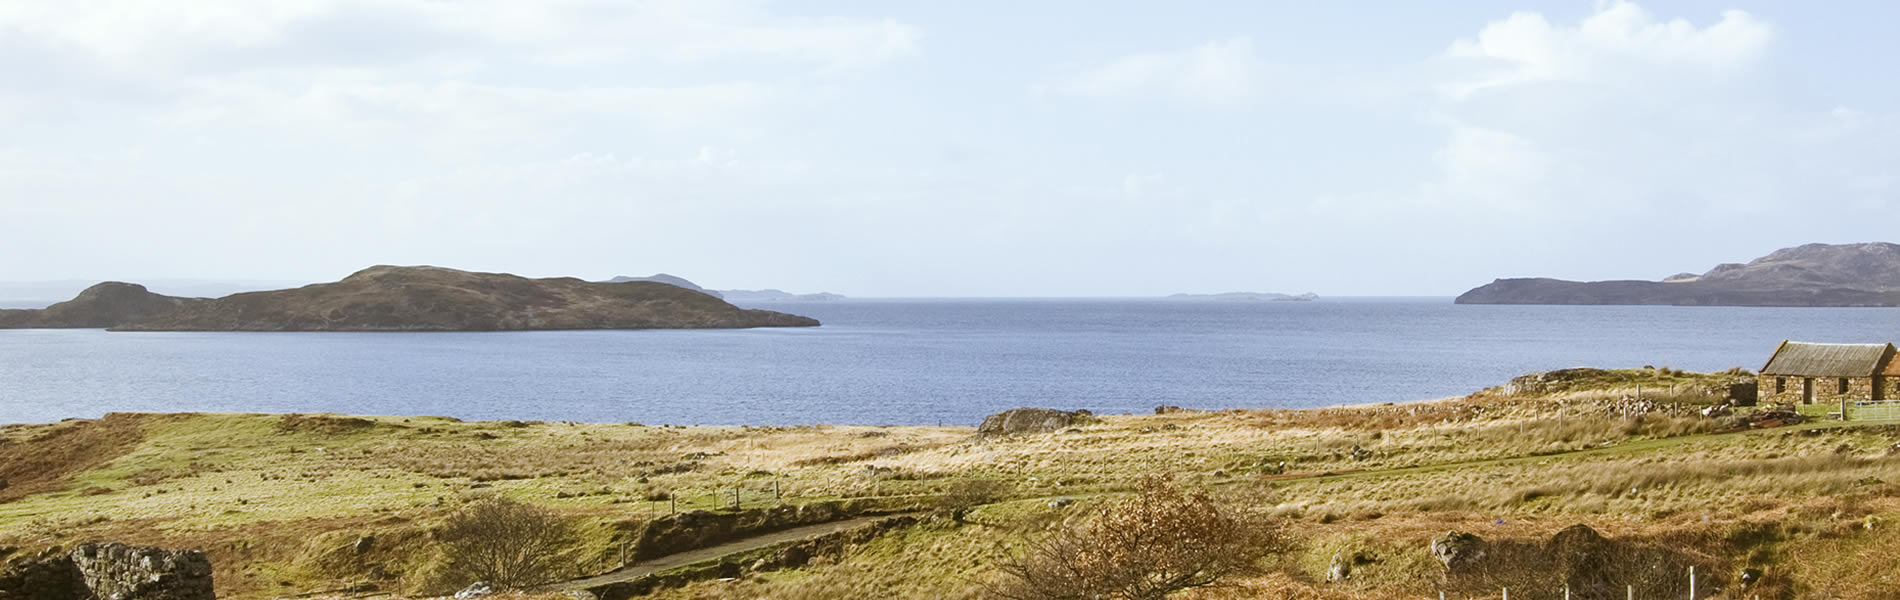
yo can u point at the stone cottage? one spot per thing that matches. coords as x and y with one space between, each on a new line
1807 373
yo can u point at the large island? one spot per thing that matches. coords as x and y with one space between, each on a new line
1811 275
388 298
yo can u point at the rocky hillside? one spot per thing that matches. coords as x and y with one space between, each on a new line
1812 275
104 305
385 298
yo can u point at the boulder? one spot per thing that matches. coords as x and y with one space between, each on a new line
1027 420
1340 570
479 589
1458 550
1578 543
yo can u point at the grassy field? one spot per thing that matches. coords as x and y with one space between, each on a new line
280 501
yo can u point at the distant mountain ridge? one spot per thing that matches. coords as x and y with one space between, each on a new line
422 298
1865 274
672 280
765 295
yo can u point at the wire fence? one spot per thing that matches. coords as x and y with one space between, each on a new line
1689 591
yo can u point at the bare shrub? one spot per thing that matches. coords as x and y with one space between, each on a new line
1161 541
507 544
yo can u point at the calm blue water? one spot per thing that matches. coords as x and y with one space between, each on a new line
900 361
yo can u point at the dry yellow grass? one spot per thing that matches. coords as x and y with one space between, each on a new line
272 497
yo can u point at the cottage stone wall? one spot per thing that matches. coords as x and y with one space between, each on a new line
1827 390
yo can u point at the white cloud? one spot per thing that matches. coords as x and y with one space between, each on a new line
1617 44
1490 170
1219 74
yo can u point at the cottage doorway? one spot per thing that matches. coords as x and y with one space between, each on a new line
1807 390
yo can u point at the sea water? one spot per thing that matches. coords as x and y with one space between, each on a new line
902 361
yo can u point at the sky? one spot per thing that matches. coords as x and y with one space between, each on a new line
943 148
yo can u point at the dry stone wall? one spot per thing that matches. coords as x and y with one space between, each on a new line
109 572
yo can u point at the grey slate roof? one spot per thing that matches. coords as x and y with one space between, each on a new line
1804 359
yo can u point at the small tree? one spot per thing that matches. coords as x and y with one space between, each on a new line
1161 541
506 543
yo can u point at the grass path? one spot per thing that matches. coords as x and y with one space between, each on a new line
674 561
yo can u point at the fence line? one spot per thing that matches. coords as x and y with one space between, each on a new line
1629 590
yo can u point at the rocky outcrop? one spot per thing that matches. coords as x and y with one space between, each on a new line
1028 420
1811 275
1552 381
109 572
388 298
104 305
1458 550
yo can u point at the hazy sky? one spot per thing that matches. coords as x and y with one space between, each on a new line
943 148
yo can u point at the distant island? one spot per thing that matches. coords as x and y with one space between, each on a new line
1866 274
389 298
765 295
1248 297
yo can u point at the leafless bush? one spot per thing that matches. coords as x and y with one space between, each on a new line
1160 541
507 544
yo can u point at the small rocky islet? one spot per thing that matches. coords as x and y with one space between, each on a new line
396 298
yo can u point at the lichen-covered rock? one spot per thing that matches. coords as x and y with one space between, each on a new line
1458 550
1027 420
120 572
